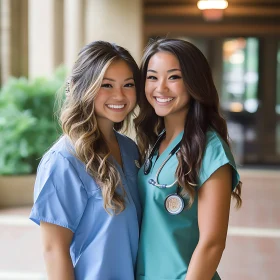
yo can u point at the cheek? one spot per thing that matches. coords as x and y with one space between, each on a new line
148 88
97 101
148 91
100 97
184 92
133 98
148 97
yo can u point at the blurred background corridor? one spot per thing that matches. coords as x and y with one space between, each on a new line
39 41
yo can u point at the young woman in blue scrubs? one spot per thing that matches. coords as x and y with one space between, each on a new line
86 197
189 173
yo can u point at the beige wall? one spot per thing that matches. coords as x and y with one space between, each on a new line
39 35
116 21
59 28
45 36
74 30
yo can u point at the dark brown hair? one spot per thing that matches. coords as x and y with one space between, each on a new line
203 112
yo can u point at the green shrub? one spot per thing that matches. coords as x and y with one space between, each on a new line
28 126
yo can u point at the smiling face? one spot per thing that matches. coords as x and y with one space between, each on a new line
117 94
165 89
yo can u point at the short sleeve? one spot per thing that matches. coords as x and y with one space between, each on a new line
217 154
59 195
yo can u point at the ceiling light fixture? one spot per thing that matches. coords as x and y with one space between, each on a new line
212 10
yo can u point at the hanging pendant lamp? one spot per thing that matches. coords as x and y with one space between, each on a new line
212 10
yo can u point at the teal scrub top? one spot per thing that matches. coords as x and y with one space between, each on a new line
167 241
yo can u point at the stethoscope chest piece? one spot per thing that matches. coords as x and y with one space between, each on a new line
174 204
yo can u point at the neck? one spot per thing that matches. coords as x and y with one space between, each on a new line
107 129
173 127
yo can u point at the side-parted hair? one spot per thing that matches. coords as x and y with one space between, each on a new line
203 113
78 120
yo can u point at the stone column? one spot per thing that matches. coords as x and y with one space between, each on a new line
45 36
116 21
14 32
74 30
5 40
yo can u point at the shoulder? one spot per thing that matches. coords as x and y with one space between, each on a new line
60 158
64 148
127 143
212 138
216 146
60 196
216 154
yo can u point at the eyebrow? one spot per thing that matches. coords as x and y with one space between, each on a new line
168 71
112 80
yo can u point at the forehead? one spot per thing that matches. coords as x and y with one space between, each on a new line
117 68
163 60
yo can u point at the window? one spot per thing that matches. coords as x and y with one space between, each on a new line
240 75
201 44
277 108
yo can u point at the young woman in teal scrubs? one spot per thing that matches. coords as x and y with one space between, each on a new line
86 198
189 173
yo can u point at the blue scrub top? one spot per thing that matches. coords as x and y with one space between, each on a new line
103 246
167 241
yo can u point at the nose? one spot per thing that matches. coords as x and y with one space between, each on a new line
118 94
162 86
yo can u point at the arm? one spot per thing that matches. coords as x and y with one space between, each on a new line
213 214
56 244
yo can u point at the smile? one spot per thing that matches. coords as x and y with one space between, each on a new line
163 100
113 106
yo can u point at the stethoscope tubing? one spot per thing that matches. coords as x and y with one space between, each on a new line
148 164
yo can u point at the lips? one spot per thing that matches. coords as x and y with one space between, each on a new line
115 106
163 100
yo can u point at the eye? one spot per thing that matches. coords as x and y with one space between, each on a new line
129 85
106 86
175 77
151 78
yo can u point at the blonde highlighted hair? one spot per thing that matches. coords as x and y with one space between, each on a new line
79 123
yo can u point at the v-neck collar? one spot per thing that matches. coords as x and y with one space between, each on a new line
169 148
121 168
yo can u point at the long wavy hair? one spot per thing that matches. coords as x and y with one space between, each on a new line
203 113
78 120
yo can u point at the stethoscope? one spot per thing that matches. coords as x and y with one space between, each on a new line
173 203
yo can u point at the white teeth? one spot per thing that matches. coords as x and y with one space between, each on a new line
115 106
163 100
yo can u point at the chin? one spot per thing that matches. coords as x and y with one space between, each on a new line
161 113
117 120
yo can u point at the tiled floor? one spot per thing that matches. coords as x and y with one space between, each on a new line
253 244
20 253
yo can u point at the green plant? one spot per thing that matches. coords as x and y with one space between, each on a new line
28 126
